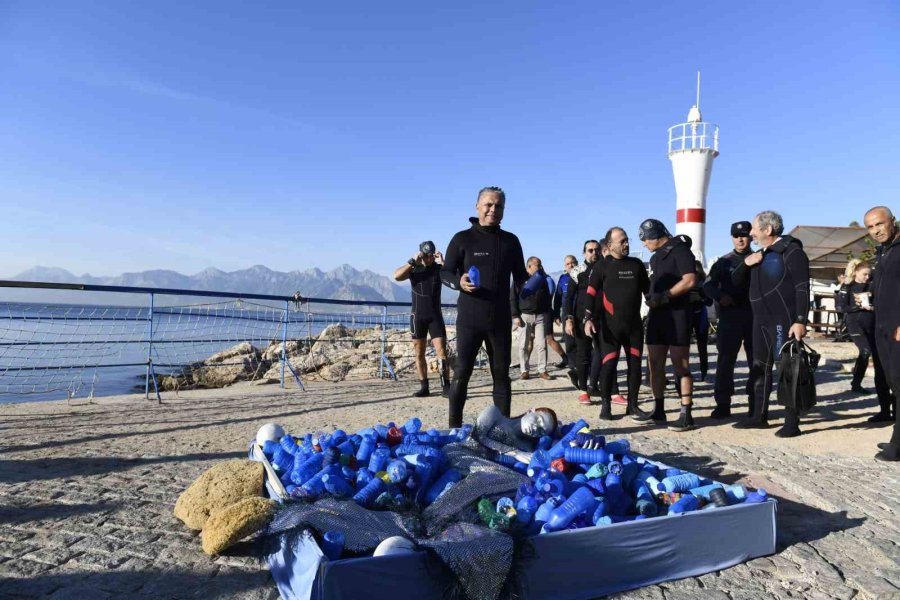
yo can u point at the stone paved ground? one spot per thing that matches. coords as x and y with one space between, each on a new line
87 491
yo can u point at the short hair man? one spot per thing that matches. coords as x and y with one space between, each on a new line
570 263
617 287
735 325
531 316
779 297
885 290
424 274
672 275
483 314
587 362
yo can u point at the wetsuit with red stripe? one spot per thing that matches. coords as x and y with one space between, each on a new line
617 289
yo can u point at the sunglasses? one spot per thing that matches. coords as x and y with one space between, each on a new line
591 250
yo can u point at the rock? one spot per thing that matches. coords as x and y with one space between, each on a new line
227 526
224 368
220 486
272 353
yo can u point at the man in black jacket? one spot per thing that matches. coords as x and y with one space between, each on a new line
532 316
885 291
587 363
779 298
483 313
735 324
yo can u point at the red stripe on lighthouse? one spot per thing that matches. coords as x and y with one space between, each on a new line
690 215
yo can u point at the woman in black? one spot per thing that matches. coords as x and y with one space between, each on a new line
855 300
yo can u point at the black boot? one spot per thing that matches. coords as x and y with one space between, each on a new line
685 420
605 409
658 414
423 391
791 427
444 374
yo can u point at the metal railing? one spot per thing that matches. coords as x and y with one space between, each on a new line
49 347
694 136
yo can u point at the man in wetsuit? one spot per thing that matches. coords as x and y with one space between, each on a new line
617 287
577 297
672 275
735 326
779 298
424 273
885 290
483 314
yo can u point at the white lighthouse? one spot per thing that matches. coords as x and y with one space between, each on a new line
692 148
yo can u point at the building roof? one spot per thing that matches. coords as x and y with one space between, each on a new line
828 248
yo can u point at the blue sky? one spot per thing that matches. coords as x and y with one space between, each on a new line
173 135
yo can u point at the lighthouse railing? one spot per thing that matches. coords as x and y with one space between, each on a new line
694 136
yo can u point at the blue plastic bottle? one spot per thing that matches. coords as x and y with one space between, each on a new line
367 495
619 501
630 471
540 460
413 425
585 456
759 495
397 471
558 449
646 507
546 509
525 509
379 460
686 503
545 442
282 460
337 485
475 276
436 488
366 447
601 511
533 284
306 469
579 502
333 544
363 476
679 483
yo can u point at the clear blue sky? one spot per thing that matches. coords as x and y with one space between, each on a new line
175 135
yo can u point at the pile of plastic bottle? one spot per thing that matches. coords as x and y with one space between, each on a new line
384 466
582 480
576 480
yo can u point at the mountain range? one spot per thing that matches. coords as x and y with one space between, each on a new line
343 283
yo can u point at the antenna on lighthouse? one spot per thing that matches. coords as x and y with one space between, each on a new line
698 91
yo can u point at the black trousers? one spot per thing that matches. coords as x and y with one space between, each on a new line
587 362
861 327
615 338
700 329
735 328
889 355
768 338
571 350
498 342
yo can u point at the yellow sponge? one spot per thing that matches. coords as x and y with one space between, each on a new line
227 526
219 487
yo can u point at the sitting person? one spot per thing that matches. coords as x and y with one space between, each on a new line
516 436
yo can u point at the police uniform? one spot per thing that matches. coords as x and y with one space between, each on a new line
670 323
735 322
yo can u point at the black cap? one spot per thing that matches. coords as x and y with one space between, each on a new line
426 247
653 229
740 229
685 238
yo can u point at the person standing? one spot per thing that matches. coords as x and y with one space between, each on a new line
885 291
855 299
617 287
532 316
483 314
424 274
562 286
735 319
586 354
778 276
672 275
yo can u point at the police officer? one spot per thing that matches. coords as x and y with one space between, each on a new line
672 275
424 274
483 313
735 326
779 298
885 290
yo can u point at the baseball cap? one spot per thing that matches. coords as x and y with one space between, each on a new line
740 229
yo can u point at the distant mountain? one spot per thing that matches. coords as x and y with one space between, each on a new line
342 283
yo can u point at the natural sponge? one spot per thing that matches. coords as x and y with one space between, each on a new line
221 486
227 526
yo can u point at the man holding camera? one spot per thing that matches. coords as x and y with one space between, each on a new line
424 274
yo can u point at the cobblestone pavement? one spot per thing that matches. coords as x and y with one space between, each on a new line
87 491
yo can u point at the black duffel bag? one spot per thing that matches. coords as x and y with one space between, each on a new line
796 380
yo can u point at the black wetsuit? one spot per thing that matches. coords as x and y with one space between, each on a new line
700 320
861 327
885 292
779 297
483 316
587 362
670 324
426 318
617 288
734 326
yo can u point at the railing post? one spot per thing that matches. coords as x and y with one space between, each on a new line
284 341
383 341
149 349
